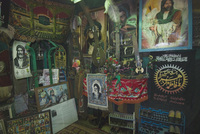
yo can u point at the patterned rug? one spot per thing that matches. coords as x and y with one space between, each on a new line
77 128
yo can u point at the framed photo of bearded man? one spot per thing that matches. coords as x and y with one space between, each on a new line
165 25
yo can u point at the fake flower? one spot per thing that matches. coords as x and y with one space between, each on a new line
111 69
76 64
111 65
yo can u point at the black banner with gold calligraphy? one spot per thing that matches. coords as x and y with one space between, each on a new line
170 83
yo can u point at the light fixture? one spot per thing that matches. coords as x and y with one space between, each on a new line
75 1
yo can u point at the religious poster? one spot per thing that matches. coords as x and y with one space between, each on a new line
21 60
47 96
40 19
97 91
171 79
165 25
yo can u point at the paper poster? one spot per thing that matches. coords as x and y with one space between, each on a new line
97 91
20 103
21 60
171 83
45 79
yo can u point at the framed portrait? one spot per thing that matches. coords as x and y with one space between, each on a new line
165 25
31 124
97 91
87 32
47 96
2 127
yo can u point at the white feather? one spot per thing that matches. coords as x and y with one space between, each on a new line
113 12
107 4
76 22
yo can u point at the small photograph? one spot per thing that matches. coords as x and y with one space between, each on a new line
45 79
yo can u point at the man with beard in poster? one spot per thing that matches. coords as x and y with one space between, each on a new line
168 22
21 61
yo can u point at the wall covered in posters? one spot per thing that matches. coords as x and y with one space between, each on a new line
40 19
171 80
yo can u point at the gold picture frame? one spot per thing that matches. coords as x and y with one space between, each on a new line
35 123
47 96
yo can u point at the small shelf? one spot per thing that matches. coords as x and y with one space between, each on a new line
122 120
122 116
157 120
170 123
123 126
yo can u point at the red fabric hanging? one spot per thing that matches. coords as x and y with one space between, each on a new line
129 91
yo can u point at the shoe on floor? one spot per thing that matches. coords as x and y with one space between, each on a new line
171 129
178 117
177 130
171 116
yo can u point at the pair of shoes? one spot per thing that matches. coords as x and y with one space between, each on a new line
174 117
174 130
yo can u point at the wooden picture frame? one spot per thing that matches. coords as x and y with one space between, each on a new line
50 95
2 127
160 30
34 123
101 21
